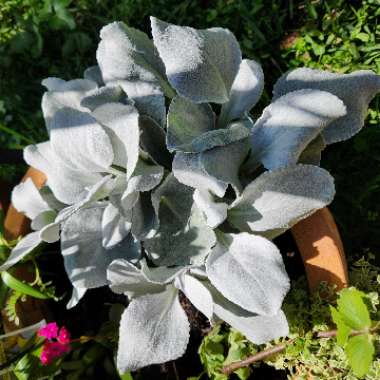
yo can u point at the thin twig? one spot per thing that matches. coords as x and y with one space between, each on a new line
256 358
281 347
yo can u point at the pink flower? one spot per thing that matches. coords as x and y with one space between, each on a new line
49 331
57 342
64 336
53 350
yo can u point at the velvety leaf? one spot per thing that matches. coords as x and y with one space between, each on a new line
25 246
279 199
115 227
144 178
200 64
161 275
188 169
174 195
258 329
153 329
77 295
49 197
68 185
43 219
85 258
125 53
186 122
50 233
290 123
353 310
245 92
153 141
215 163
180 244
360 351
80 142
183 236
126 279
103 95
256 278
313 152
214 212
63 94
197 293
144 218
27 199
364 84
121 123
191 128
128 58
147 98
94 74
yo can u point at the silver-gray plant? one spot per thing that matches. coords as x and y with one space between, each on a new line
151 201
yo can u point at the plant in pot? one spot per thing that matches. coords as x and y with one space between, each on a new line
158 180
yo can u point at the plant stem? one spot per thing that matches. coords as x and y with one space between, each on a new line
255 358
282 346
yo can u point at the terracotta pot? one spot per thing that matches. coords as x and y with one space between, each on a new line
32 310
318 240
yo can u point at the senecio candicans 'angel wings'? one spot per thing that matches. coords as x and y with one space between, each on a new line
151 200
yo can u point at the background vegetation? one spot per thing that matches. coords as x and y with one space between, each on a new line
41 38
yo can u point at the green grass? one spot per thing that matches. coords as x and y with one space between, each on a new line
59 38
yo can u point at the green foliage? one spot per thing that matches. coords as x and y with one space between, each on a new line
352 309
29 367
325 358
10 306
352 314
359 351
343 36
222 347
